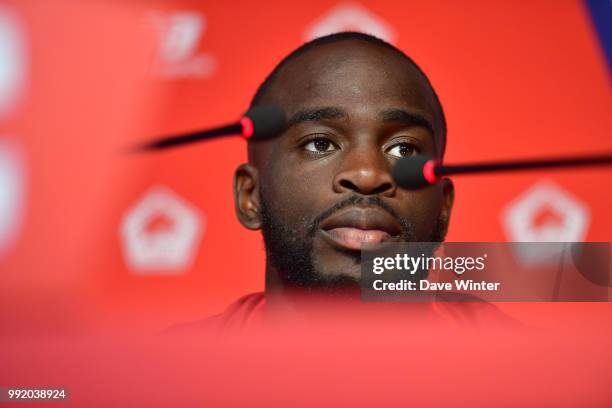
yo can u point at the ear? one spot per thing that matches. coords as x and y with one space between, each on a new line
448 198
246 196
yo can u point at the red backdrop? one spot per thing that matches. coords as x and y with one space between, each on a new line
516 79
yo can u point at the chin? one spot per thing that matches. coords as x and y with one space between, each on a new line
348 277
336 265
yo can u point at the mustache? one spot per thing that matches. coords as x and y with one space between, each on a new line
373 201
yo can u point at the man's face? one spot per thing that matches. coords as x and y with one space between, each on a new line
324 186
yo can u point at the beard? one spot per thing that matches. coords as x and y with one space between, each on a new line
289 249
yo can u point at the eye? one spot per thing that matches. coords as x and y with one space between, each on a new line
400 150
320 145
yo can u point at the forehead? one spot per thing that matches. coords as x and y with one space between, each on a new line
353 75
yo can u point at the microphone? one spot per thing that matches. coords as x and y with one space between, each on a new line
260 122
420 171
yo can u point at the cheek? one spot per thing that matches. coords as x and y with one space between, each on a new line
291 193
423 208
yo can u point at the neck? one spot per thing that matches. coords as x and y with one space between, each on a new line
289 301
284 295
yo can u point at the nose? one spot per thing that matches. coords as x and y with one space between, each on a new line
365 171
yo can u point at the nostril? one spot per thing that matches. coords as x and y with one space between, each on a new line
382 188
348 185
362 189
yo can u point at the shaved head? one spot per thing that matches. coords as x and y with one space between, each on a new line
265 93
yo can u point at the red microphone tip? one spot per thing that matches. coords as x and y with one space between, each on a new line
247 127
429 171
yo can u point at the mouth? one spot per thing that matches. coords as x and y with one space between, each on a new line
358 226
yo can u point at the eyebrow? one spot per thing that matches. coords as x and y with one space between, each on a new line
308 115
406 118
390 115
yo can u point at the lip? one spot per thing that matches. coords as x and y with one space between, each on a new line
353 227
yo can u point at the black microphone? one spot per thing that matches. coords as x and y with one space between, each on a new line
260 122
420 171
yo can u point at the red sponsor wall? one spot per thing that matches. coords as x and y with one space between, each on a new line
84 225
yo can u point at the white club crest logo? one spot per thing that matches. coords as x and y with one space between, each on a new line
350 17
161 233
545 213
179 36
